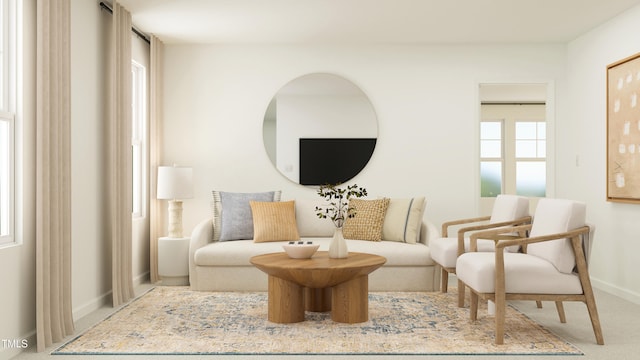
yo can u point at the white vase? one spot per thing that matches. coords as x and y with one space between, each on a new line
338 247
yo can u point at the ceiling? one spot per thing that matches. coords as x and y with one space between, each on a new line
371 21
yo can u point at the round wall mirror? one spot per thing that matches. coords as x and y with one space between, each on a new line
320 129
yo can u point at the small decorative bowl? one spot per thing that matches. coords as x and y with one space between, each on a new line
300 250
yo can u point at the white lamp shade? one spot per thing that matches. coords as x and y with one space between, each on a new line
175 182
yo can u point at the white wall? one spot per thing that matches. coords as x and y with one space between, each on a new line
91 266
583 135
425 98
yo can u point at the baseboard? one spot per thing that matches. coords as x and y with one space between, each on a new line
8 353
616 290
91 306
104 299
142 279
17 346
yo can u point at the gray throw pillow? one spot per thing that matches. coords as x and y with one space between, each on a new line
232 218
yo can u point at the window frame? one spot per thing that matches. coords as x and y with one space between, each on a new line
7 190
509 159
538 159
9 68
138 138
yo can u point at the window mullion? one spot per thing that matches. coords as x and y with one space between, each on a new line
509 155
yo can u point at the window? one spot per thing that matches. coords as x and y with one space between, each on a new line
513 150
138 138
8 41
491 155
531 149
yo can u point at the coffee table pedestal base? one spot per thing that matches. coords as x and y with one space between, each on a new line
317 300
319 284
286 301
348 301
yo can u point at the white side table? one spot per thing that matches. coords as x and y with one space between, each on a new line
173 260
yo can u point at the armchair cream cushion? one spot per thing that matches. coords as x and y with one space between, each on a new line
556 216
509 207
525 274
506 208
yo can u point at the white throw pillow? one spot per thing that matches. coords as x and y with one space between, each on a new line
403 220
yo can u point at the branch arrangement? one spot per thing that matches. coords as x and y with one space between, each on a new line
337 208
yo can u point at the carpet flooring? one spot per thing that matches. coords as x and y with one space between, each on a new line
176 320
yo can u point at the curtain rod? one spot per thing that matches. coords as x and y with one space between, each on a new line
144 37
513 103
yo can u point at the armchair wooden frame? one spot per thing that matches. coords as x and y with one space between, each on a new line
461 235
500 296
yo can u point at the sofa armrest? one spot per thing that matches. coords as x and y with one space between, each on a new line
428 232
200 236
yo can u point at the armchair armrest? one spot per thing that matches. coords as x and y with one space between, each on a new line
576 233
502 224
503 240
499 235
446 225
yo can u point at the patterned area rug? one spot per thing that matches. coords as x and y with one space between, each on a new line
175 320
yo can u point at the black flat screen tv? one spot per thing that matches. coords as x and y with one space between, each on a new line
333 160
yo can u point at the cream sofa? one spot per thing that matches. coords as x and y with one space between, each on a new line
225 266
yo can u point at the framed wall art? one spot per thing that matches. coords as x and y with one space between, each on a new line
623 130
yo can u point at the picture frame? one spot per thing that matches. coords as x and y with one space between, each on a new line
623 130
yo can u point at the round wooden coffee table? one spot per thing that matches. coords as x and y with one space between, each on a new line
318 284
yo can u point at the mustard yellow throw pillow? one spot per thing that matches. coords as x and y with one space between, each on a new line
274 221
367 224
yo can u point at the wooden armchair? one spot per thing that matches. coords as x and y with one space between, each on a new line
508 210
554 267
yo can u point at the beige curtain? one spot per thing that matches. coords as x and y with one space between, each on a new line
155 153
120 152
54 318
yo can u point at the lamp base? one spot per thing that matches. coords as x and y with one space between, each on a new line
175 219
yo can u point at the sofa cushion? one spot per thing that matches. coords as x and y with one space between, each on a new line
274 221
368 220
402 220
238 253
232 218
397 254
309 224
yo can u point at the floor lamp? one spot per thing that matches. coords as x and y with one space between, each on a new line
174 184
